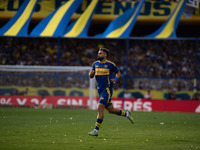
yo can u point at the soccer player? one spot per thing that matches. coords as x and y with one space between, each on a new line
106 73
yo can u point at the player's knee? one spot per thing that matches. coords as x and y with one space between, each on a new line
100 114
111 111
100 110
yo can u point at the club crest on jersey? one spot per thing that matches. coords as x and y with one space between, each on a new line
97 66
105 66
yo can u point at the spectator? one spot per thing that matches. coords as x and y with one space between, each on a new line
140 85
171 94
127 94
195 96
148 95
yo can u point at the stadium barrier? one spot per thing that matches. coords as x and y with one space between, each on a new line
45 91
78 102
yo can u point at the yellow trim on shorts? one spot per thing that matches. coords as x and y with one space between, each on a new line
108 90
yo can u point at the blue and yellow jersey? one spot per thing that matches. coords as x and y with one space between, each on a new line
104 72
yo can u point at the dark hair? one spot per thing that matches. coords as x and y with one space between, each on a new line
106 51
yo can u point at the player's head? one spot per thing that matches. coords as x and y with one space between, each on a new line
103 53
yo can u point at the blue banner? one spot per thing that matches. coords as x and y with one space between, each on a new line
79 28
168 29
55 24
18 25
122 25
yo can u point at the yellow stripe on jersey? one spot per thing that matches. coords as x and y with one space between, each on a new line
111 62
102 71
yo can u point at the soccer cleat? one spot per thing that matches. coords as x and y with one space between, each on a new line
94 133
128 115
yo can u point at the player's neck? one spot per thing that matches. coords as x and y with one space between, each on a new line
103 61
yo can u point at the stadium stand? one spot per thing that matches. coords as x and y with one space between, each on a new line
164 58
145 63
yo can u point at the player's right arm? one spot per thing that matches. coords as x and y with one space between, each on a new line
92 72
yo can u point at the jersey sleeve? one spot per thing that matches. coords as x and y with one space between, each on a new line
114 68
93 66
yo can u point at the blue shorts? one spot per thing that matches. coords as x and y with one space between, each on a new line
105 96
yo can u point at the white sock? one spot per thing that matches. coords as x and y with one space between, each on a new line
96 130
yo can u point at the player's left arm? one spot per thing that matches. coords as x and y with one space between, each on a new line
118 74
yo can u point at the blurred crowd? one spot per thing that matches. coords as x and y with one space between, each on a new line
138 0
146 58
162 58
41 79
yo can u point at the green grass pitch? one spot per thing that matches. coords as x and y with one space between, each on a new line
67 129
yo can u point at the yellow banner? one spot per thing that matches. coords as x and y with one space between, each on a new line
106 11
32 91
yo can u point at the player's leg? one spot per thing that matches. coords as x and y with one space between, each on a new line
100 115
116 111
110 107
100 108
120 112
99 120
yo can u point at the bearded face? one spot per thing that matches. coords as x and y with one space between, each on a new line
101 55
100 58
